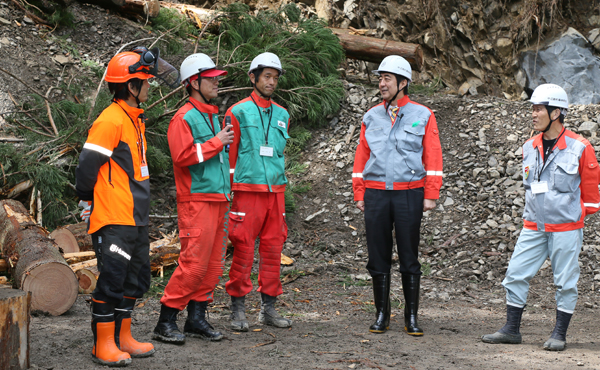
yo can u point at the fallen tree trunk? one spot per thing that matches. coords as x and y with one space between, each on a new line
150 8
14 328
73 238
38 266
372 49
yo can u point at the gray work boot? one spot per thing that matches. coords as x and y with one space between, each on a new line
238 314
509 333
269 316
558 339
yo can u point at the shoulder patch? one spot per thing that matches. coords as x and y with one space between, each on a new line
281 124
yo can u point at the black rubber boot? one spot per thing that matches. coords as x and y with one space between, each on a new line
268 314
196 325
558 339
238 314
509 333
381 296
411 285
166 330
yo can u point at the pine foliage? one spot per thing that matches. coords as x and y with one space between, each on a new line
310 53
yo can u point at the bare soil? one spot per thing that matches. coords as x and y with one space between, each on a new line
325 292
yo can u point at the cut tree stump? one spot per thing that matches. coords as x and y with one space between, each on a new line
14 328
39 267
73 238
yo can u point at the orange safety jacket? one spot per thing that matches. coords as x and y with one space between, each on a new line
112 170
401 154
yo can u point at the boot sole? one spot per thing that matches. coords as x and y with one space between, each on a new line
413 334
238 328
167 339
200 336
379 331
142 355
121 363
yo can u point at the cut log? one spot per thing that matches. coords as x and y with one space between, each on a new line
84 265
87 280
73 238
14 328
374 49
38 266
3 265
149 8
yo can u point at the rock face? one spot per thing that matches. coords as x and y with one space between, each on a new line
567 62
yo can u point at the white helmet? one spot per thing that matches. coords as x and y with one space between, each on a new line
395 64
194 64
266 60
551 95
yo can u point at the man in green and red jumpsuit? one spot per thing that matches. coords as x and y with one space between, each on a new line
260 129
201 168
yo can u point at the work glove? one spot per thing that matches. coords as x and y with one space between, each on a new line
87 210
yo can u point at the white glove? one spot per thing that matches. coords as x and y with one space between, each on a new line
87 210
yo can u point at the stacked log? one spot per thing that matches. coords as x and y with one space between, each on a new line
73 238
39 267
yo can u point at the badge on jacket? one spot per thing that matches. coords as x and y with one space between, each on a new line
526 172
281 124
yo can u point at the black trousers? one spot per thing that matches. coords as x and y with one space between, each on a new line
384 211
123 262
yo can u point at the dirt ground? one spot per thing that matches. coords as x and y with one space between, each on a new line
329 301
330 331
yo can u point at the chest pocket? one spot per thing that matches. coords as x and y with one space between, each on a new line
566 175
414 136
279 135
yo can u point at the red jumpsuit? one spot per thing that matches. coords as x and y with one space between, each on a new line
201 169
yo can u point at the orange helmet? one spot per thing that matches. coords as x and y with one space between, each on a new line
119 68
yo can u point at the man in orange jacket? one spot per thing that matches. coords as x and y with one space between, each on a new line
397 175
114 188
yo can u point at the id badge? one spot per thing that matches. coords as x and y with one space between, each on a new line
266 151
144 171
539 187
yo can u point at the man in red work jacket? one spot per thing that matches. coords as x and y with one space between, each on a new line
201 168
560 177
397 176
258 177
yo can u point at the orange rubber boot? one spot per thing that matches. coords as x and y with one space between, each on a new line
123 337
130 345
105 350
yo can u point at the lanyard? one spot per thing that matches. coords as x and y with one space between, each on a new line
266 131
211 127
547 161
140 137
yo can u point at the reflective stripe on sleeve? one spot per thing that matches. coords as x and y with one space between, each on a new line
199 151
357 175
592 205
97 148
435 173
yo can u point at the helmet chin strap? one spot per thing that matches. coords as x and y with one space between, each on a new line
262 94
394 98
206 101
551 120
